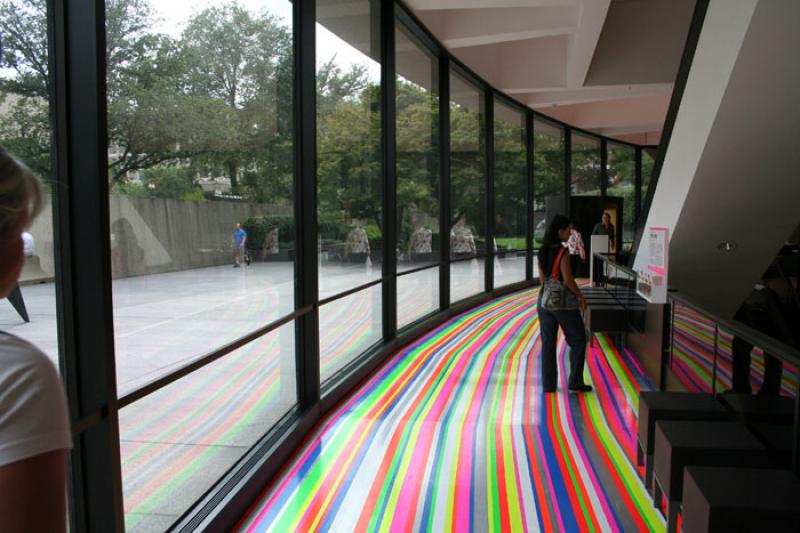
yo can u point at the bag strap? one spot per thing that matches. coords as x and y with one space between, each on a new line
557 264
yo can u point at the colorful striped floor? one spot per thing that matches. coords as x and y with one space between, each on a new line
693 356
455 434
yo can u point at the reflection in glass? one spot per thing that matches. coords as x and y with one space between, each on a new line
178 441
510 194
622 184
693 349
200 160
466 278
585 178
348 143
417 295
548 172
347 327
467 170
417 145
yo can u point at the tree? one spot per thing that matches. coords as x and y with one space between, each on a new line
234 57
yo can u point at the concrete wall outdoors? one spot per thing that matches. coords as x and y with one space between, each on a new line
154 235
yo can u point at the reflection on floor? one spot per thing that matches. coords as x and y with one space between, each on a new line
693 356
454 433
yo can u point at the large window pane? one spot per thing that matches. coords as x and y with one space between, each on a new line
417 109
200 123
200 141
348 143
347 327
585 166
548 172
467 170
510 194
177 442
622 184
25 133
417 295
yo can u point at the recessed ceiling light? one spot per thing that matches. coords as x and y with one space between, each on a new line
727 246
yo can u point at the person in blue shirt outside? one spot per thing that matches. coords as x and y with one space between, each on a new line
239 242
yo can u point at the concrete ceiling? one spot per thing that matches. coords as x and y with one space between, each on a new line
604 65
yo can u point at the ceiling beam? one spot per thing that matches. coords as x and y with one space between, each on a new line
584 41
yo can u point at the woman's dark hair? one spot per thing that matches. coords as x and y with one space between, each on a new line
551 237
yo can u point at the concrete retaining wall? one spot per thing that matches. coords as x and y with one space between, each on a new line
155 235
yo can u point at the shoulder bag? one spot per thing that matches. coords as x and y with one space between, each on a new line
555 295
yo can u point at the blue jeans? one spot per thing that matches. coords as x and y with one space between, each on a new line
575 333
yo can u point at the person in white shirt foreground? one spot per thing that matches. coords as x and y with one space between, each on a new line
34 425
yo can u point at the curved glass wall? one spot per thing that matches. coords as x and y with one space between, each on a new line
349 185
548 176
510 194
621 171
585 179
467 189
419 239
207 169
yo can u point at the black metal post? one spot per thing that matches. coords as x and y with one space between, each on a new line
714 367
83 266
444 184
667 332
567 170
388 126
488 98
603 168
529 182
796 445
305 204
637 189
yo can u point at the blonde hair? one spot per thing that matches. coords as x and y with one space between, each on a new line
21 196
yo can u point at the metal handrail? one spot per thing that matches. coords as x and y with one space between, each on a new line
775 348
604 256
786 353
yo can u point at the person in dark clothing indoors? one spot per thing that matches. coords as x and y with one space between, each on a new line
569 320
761 311
605 227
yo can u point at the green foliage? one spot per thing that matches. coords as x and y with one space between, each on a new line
171 182
258 227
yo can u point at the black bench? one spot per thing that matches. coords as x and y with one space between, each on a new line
754 408
680 443
655 406
740 499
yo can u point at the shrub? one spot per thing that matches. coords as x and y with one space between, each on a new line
258 227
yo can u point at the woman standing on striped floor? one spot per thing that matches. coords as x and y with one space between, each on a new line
553 258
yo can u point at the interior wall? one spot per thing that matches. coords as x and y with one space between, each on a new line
731 169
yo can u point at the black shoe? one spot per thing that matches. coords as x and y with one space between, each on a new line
236 265
247 260
580 388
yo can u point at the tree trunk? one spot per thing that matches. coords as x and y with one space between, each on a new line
232 175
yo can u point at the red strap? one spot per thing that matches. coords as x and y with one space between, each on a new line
557 264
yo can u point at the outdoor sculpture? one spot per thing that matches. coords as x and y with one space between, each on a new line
420 243
356 247
462 241
270 242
